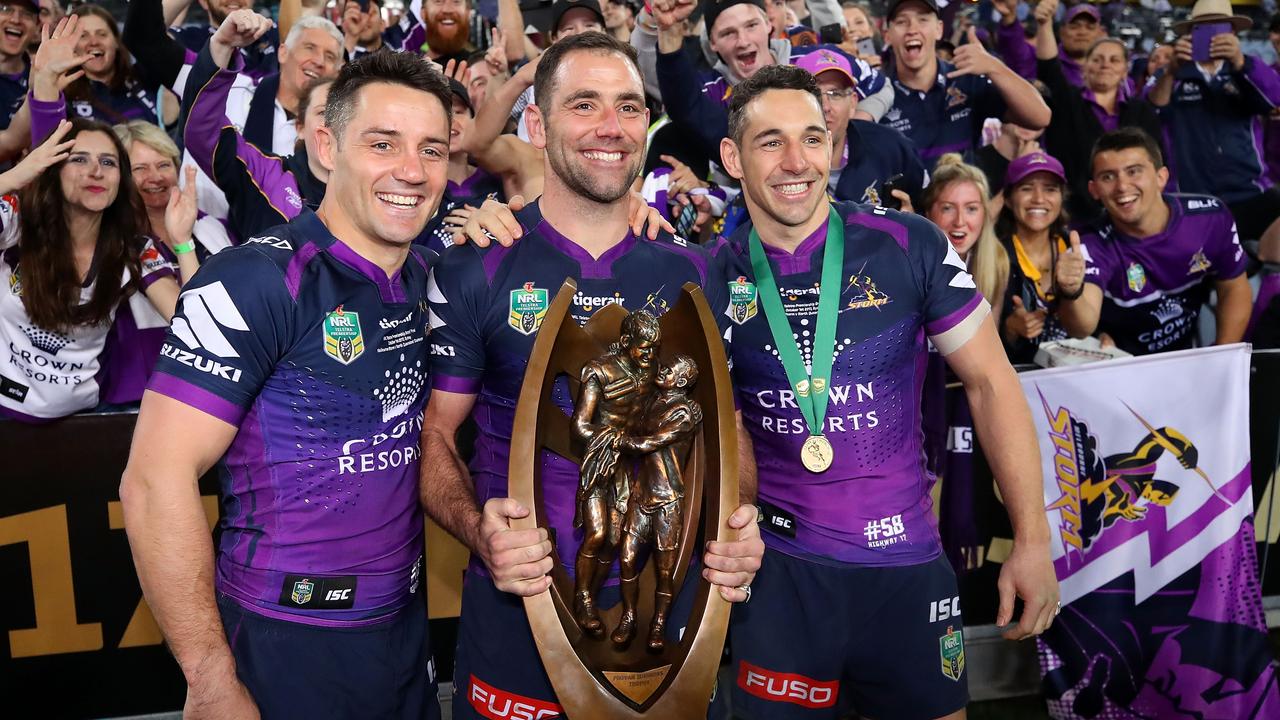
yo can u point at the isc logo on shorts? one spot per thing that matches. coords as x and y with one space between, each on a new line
497 704
787 687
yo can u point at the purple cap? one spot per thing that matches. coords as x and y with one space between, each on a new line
1030 164
820 61
1084 8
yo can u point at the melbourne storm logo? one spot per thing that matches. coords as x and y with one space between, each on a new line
1099 491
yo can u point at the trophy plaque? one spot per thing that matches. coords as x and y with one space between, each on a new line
653 433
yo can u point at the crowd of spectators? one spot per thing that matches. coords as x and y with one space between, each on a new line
1104 170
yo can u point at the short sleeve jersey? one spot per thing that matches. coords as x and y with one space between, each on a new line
47 374
946 118
320 360
1153 288
901 282
487 306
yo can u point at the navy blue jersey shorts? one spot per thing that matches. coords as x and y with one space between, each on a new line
307 671
819 640
497 672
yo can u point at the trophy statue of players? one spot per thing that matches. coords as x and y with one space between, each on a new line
652 432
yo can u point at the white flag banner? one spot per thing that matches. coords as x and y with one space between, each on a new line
1149 499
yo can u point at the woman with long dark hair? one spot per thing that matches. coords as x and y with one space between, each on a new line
71 252
1033 225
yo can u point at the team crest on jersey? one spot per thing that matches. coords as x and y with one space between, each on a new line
871 194
343 340
955 97
742 301
302 591
528 308
15 283
1199 263
865 293
1137 277
951 650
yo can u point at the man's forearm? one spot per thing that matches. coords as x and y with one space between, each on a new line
511 22
1162 92
1235 305
173 554
1007 435
445 489
493 115
1026 106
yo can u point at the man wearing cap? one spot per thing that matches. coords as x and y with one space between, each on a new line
1143 274
620 18
737 32
1081 27
863 154
942 106
18 28
468 186
1213 108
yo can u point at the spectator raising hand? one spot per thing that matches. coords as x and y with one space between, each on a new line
45 155
240 29
57 63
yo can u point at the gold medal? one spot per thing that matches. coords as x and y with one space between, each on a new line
816 453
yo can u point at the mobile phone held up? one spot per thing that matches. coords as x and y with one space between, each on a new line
897 182
866 47
1202 36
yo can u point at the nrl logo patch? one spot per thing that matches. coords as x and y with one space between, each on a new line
742 301
302 591
951 650
528 307
1137 277
343 340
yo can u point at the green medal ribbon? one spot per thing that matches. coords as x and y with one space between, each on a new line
811 389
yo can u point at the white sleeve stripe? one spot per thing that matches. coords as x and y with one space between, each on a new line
963 331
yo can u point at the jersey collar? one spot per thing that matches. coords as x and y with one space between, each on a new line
592 268
311 228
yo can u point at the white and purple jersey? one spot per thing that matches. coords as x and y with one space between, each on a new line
902 283
48 374
320 360
1153 288
486 308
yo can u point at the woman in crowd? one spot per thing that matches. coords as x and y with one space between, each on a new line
1082 115
1032 227
861 25
139 332
957 201
154 160
72 252
113 88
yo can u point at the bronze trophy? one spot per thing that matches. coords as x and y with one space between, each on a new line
652 431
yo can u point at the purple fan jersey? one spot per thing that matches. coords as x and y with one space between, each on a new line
320 360
487 306
902 282
1152 288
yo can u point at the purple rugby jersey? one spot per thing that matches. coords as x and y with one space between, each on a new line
1153 288
321 362
486 308
902 283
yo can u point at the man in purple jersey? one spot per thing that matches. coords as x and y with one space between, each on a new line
486 308
297 364
1144 272
855 608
